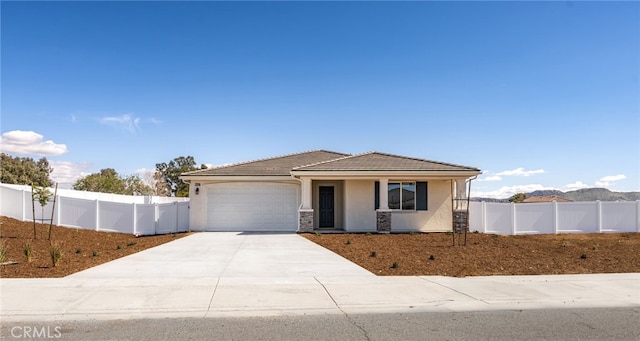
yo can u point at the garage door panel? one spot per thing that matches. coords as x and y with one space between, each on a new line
252 207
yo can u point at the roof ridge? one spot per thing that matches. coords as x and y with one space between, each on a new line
326 161
263 159
425 160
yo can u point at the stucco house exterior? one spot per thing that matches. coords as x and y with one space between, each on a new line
325 190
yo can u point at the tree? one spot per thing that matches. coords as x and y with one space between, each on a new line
25 171
108 181
170 173
518 197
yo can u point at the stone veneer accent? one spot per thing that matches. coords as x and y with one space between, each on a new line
383 221
306 221
460 219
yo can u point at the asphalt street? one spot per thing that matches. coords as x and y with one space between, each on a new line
542 324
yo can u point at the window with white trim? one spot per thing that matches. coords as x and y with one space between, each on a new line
402 196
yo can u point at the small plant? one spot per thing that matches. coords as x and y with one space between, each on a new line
583 256
78 251
318 233
131 243
412 233
55 251
95 253
373 254
119 247
27 249
432 257
367 234
348 242
394 265
448 233
3 252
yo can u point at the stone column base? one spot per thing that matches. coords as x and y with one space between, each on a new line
460 221
383 221
306 221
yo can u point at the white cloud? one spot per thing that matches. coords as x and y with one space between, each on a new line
609 180
520 172
507 191
492 178
576 185
125 122
29 143
66 173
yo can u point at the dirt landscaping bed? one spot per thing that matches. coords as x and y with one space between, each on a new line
81 249
485 254
413 254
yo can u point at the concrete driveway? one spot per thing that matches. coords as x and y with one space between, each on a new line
252 274
229 254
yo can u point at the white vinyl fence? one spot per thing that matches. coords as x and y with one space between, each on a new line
99 211
555 217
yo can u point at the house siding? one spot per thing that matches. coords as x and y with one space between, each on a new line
360 214
437 218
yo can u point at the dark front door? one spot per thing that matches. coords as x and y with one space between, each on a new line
326 206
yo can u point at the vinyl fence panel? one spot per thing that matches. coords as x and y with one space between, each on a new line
78 213
116 217
498 218
534 218
580 217
619 216
145 219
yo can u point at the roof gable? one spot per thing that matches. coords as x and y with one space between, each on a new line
275 166
375 161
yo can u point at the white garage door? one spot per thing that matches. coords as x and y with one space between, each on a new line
252 207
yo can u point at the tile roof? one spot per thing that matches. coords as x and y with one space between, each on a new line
275 166
375 161
327 161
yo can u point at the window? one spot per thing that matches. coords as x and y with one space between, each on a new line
413 195
402 195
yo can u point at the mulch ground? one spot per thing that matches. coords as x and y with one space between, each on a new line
81 249
412 254
485 254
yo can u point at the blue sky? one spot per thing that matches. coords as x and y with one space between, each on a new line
537 95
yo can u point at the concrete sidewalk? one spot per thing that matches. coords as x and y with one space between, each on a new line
230 274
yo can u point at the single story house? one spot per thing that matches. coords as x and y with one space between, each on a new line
325 190
551 198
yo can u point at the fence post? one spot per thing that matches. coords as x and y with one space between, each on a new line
175 204
599 215
24 199
484 217
97 214
156 218
513 219
555 217
59 209
638 215
135 220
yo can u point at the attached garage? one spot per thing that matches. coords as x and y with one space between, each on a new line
252 206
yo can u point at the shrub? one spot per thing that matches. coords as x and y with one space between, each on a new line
432 257
373 254
95 253
131 243
318 233
27 249
119 247
583 256
394 265
348 242
78 251
55 251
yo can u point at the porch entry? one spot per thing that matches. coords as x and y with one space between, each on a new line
326 198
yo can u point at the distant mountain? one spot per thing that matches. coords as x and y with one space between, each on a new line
585 194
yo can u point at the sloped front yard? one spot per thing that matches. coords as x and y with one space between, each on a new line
434 253
81 249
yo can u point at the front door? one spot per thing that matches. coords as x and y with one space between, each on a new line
326 206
